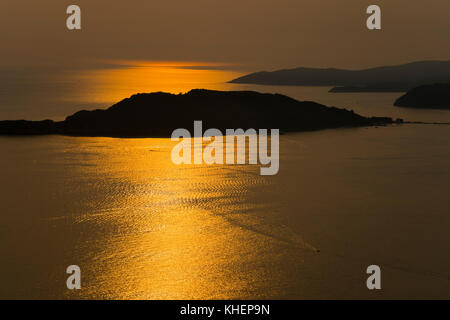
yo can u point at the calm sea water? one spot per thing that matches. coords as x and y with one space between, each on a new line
141 227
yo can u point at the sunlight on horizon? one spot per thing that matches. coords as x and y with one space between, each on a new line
130 77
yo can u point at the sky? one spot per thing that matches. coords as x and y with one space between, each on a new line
248 34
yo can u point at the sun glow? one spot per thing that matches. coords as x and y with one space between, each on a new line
125 78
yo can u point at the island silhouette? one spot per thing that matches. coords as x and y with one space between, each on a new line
159 113
399 78
434 96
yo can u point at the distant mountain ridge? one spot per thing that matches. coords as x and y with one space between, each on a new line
386 78
159 113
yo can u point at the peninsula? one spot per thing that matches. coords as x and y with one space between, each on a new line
380 79
435 96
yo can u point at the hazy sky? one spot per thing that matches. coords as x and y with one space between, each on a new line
257 34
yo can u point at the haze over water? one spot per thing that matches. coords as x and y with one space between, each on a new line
36 94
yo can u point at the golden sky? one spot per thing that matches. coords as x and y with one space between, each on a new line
257 34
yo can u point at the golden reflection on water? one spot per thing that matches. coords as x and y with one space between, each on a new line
110 85
154 230
141 227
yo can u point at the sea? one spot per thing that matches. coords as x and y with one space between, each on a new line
141 227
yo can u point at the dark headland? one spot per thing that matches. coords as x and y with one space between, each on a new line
434 96
158 114
399 78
